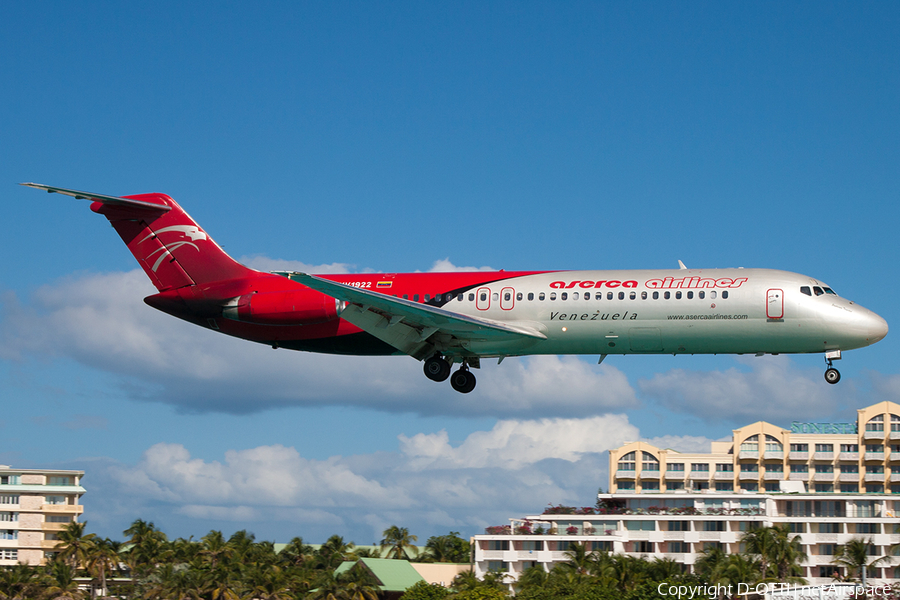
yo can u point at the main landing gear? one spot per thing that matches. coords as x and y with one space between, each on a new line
437 368
832 375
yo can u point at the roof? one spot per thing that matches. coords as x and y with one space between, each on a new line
393 575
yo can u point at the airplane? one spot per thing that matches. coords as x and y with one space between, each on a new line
460 318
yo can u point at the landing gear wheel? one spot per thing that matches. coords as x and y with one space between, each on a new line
832 375
437 369
463 381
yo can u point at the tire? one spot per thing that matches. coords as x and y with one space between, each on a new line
832 375
462 381
436 369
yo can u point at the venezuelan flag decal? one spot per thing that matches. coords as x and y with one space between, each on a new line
384 284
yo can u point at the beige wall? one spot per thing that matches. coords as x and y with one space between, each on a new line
442 573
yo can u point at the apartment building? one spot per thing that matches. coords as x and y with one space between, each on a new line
828 482
34 505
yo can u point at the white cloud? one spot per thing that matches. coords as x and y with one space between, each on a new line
772 390
429 485
445 266
264 263
101 321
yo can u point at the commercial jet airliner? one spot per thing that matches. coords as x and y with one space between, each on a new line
460 318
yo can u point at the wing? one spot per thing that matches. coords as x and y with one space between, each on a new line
113 200
413 328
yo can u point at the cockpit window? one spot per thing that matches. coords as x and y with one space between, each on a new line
828 290
819 291
805 290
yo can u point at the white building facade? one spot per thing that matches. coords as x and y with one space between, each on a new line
34 505
828 483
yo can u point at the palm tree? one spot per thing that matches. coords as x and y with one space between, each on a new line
397 540
736 569
214 549
19 581
579 559
102 558
74 545
61 581
146 547
780 553
334 551
854 555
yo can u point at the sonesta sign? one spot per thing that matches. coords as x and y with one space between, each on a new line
666 283
797 427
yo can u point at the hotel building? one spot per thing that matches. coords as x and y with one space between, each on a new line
34 505
828 482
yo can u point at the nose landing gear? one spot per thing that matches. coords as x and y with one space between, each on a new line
437 368
832 375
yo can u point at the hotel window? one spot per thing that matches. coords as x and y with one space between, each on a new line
868 528
876 448
773 486
674 485
849 488
797 527
644 547
724 468
9 516
58 519
604 546
626 486
497 545
749 525
750 487
679 547
724 486
6 554
827 549
874 489
849 468
875 423
9 498
649 462
751 444
773 445
702 467
799 447
9 534
849 447
824 447
498 566
10 479
828 571
532 545
895 423
799 468
824 468
54 500
713 525
650 486
640 525
626 463
774 468
749 468
830 528
828 508
876 469
678 467
679 525
59 481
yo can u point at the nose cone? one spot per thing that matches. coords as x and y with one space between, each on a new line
877 328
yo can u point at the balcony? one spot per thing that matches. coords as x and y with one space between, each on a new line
623 474
773 455
799 477
876 477
723 475
894 435
702 475
851 456
823 477
895 477
679 475
875 456
62 508
854 477
873 435
647 474
773 475
748 455
748 475
828 456
804 456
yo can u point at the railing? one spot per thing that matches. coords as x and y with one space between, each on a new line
798 455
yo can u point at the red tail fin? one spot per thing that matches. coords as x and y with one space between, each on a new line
171 248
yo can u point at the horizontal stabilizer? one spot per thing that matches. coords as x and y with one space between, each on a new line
112 200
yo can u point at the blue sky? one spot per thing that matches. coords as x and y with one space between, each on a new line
401 137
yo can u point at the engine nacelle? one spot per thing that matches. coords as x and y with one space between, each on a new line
297 307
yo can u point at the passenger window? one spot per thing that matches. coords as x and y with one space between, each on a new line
667 295
712 295
643 295
701 295
574 295
678 295
518 295
530 296
621 295
495 296
805 290
632 295
471 297
406 296
415 297
690 295
553 295
541 296
818 290
507 296
725 295
460 298
563 296
609 295
427 298
587 295
483 296
656 295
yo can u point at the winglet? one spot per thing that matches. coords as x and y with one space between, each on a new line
103 199
681 266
